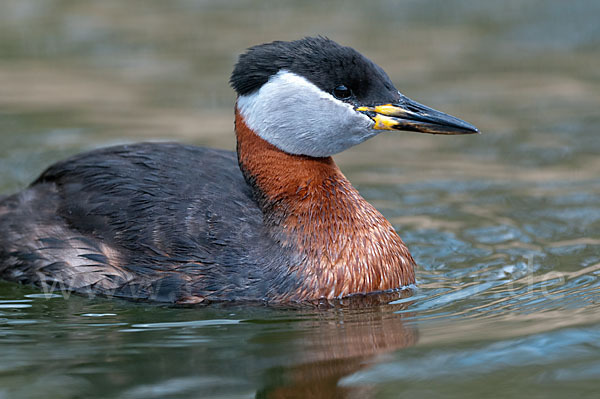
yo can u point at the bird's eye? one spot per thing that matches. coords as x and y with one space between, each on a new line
342 92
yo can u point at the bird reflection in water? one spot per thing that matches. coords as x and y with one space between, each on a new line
339 342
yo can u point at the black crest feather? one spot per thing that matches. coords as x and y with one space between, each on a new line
320 60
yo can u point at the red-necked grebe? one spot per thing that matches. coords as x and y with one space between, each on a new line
276 222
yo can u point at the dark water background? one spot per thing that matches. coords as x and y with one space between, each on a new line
505 226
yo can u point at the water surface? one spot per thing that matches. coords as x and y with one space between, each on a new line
505 226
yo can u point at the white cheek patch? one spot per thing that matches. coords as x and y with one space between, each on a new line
299 118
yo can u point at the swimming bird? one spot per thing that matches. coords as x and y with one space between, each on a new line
276 221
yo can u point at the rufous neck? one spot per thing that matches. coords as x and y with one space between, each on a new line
278 178
347 246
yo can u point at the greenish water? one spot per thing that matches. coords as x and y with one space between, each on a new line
505 226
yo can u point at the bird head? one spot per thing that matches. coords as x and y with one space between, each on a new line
317 98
